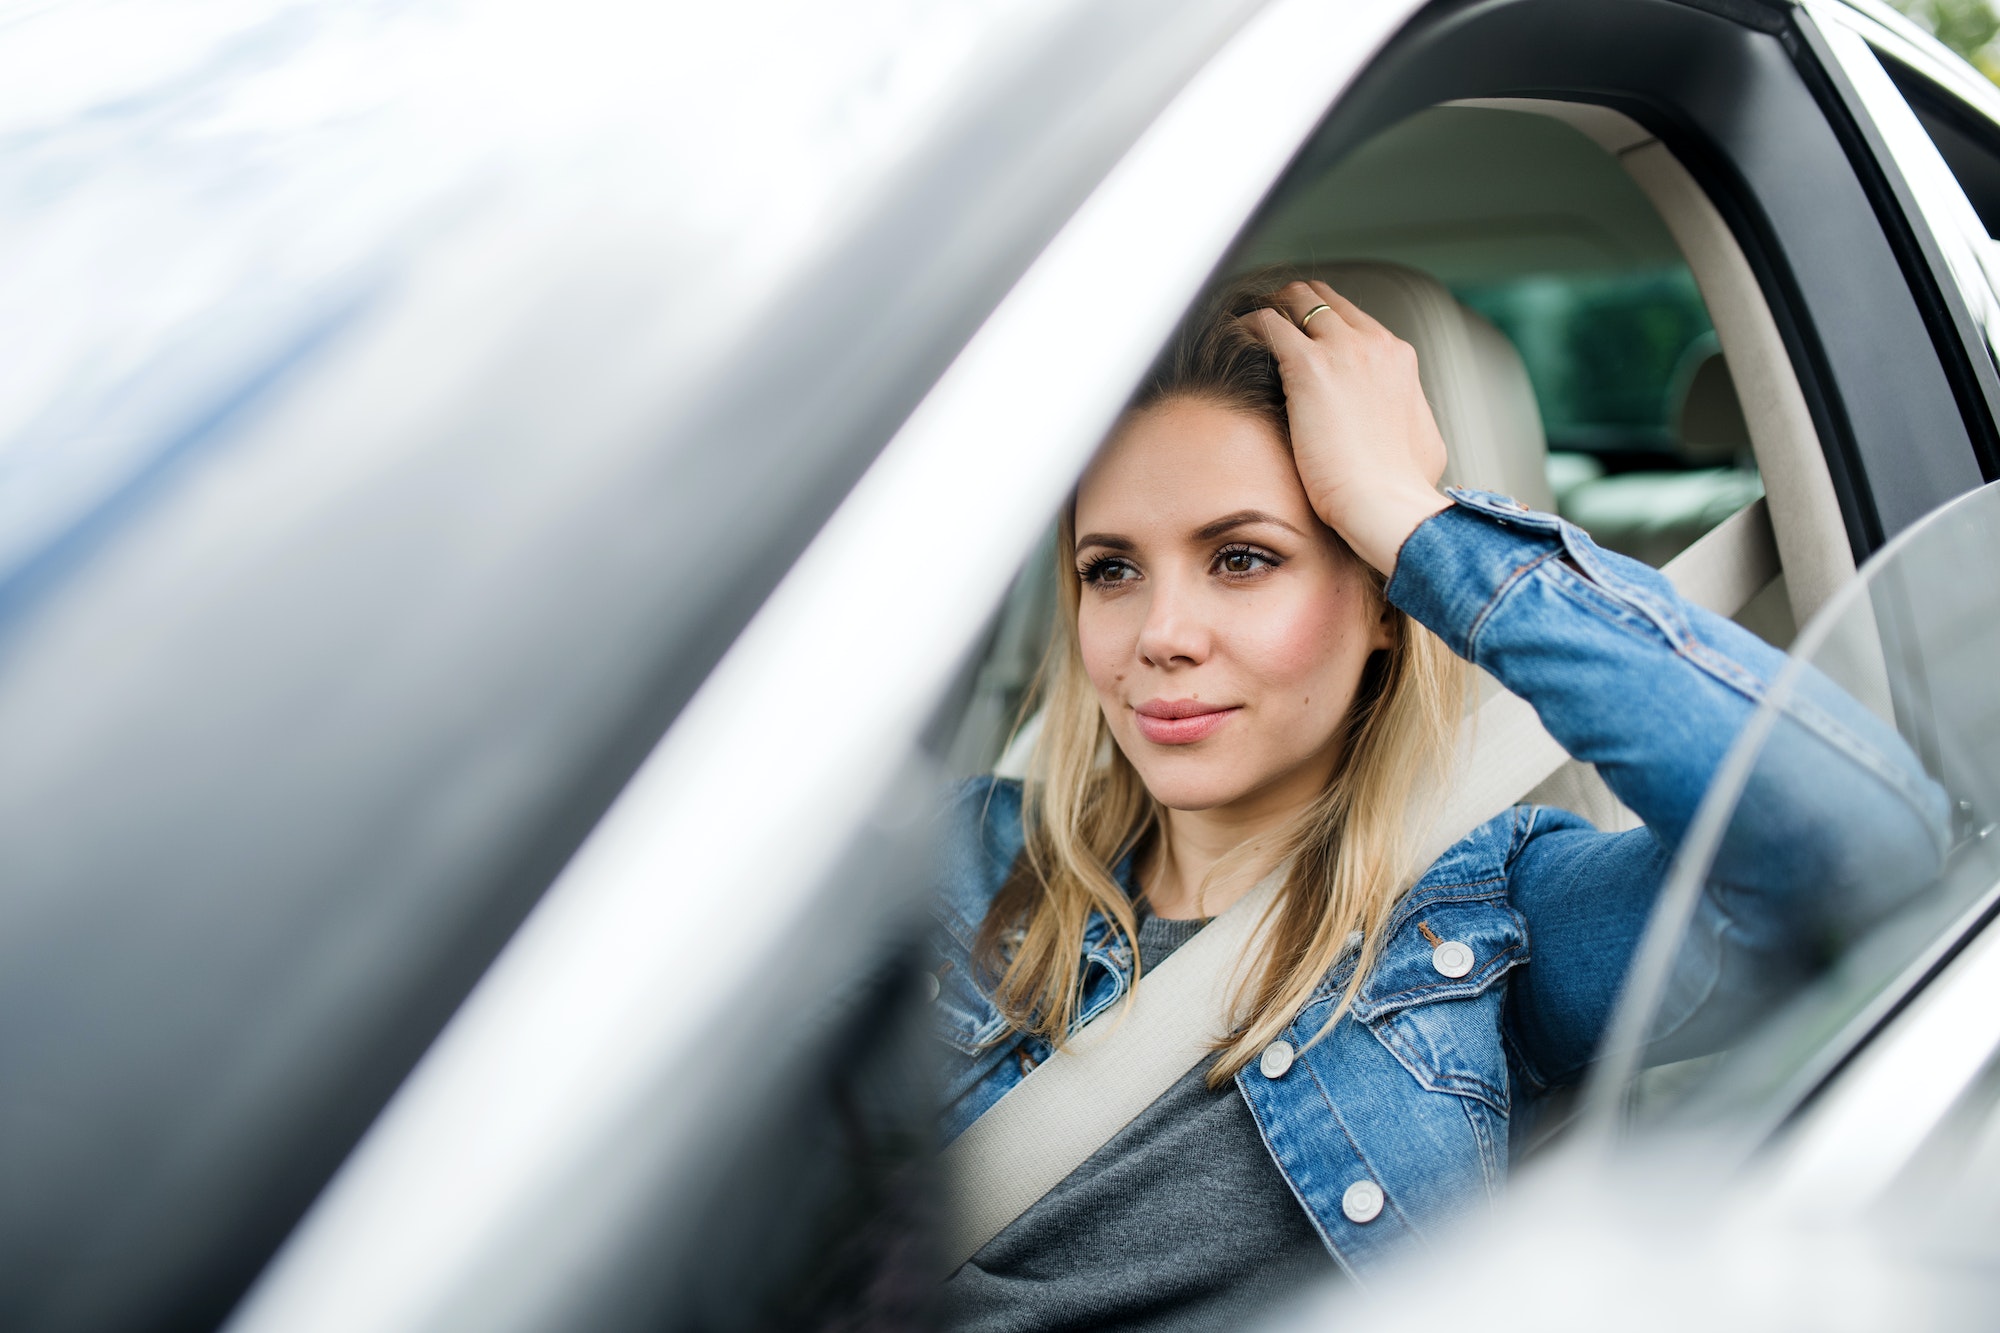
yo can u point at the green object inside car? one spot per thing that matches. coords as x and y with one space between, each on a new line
1605 353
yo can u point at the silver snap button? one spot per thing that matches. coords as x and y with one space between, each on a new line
931 987
1363 1201
1452 959
1277 1058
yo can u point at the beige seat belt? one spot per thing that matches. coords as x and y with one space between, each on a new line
1121 1062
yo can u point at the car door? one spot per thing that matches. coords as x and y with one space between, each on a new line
1920 188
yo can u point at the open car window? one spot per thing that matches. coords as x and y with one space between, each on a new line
1886 713
1543 234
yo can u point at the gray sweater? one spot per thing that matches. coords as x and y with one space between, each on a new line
1180 1222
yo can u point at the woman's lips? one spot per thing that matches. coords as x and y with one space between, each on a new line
1180 721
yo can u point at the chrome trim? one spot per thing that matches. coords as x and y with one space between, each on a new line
605 994
1901 38
1971 257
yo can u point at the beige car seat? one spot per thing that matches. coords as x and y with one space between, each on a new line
1476 382
1654 516
1708 416
1485 406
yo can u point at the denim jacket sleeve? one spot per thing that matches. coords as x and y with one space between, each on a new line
1651 689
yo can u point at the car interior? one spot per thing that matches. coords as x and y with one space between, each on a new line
1592 342
1607 395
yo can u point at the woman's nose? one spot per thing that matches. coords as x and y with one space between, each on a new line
1175 634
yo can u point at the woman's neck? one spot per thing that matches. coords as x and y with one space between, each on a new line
1193 842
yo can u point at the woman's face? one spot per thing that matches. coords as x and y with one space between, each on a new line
1224 626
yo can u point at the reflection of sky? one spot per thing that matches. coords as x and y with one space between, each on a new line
197 195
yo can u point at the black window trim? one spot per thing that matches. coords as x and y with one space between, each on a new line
1962 350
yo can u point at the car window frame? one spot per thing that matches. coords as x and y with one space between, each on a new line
1949 260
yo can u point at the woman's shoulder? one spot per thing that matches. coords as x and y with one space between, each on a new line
1487 854
1481 854
1464 923
980 837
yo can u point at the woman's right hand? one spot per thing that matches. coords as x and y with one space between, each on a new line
1363 437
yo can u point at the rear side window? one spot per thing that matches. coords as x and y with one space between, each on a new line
1965 138
1648 448
1604 352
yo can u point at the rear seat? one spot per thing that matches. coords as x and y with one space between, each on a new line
1654 516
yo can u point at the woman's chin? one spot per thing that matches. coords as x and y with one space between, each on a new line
1192 791
1185 779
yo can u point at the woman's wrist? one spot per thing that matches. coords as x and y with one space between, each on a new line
1381 519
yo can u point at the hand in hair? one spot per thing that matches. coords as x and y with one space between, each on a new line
1364 440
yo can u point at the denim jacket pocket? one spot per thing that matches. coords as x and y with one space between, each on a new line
1107 973
966 1018
1444 1028
961 1014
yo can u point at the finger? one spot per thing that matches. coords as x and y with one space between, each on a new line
1277 331
1351 313
1299 301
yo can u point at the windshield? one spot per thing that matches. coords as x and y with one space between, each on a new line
1875 761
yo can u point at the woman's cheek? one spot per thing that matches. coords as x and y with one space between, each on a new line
1296 645
1106 648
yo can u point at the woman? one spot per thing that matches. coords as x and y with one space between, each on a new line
1265 618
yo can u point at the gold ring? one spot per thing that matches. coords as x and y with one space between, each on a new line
1307 317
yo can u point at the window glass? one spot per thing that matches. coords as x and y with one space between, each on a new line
1897 670
1647 445
1603 352
1531 272
1964 138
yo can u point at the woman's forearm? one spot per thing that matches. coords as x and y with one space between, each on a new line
1652 690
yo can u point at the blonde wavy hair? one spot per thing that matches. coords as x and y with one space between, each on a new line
1348 851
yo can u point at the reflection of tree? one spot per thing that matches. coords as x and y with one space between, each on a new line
1601 350
1966 26
1624 341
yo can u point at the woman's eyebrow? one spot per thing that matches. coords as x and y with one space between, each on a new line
1240 519
1104 539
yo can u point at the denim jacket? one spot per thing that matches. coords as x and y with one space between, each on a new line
1419 1087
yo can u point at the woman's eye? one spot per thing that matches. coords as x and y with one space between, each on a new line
1109 570
1243 561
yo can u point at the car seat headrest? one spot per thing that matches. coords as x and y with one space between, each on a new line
1476 382
1708 419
